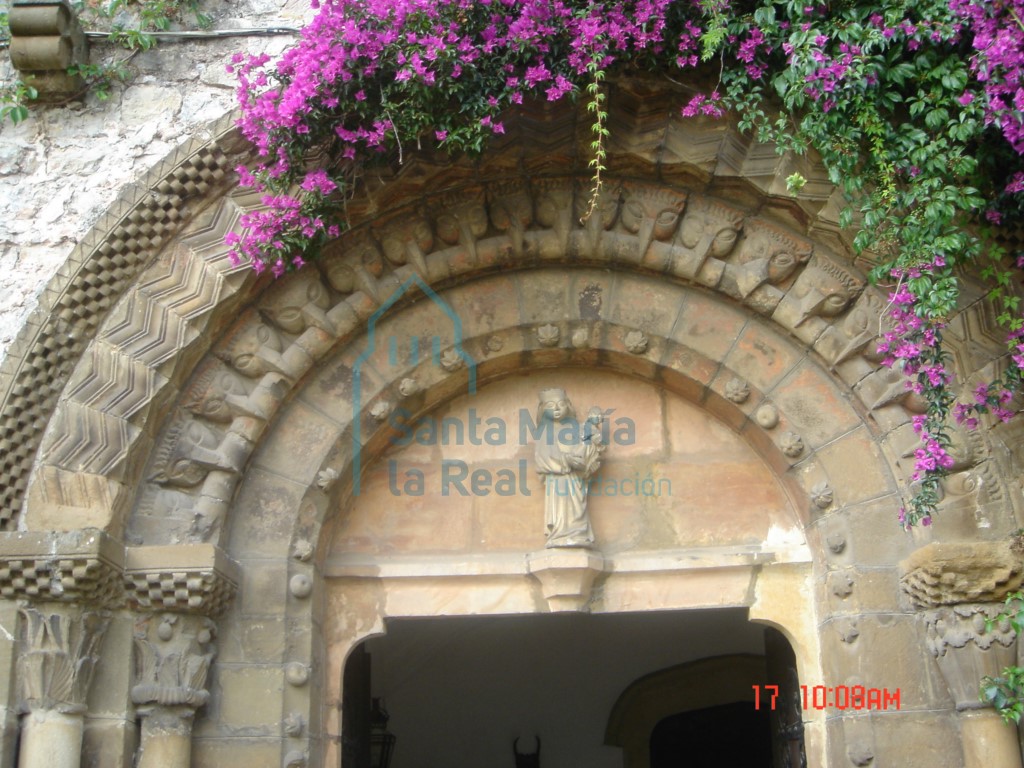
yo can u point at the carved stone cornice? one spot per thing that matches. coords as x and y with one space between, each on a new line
172 658
187 578
71 567
942 574
59 651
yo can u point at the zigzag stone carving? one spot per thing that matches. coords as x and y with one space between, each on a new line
76 301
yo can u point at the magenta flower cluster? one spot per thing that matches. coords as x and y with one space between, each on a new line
999 61
370 78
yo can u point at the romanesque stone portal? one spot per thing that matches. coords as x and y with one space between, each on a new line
214 486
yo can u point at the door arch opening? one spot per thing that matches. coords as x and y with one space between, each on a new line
460 690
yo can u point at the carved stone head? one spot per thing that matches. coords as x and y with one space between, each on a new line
300 302
404 235
708 229
554 202
218 394
771 251
254 351
768 254
824 289
461 217
555 405
656 211
606 210
510 205
187 454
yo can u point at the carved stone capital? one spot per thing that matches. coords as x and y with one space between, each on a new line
970 572
966 649
172 658
187 578
59 650
81 567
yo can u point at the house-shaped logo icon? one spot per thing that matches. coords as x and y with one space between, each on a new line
394 346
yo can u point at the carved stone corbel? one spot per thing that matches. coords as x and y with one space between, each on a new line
172 659
46 39
566 576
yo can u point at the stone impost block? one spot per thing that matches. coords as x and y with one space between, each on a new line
566 576
46 39
962 572
187 578
76 566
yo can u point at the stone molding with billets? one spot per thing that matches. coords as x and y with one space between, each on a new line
90 568
76 567
190 578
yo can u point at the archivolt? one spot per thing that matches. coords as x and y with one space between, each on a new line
690 202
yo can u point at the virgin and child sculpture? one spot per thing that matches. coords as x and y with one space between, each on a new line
568 454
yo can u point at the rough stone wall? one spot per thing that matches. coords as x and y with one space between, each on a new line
63 167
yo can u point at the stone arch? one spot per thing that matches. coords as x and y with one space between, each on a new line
678 689
141 392
756 387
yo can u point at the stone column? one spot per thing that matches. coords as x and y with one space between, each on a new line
175 589
172 658
59 652
961 586
61 583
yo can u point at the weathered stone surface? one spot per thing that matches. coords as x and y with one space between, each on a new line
77 567
968 572
193 578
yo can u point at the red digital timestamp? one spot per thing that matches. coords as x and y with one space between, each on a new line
856 697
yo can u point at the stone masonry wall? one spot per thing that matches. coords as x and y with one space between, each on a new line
63 167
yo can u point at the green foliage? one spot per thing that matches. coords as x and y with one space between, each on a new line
14 98
1006 692
101 78
599 128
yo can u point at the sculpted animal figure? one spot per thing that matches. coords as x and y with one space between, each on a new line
526 759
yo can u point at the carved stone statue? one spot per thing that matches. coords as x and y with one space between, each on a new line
568 454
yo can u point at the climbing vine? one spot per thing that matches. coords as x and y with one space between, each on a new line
915 109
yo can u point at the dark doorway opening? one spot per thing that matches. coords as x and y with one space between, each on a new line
735 735
462 691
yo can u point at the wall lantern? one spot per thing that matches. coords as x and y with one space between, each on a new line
382 742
